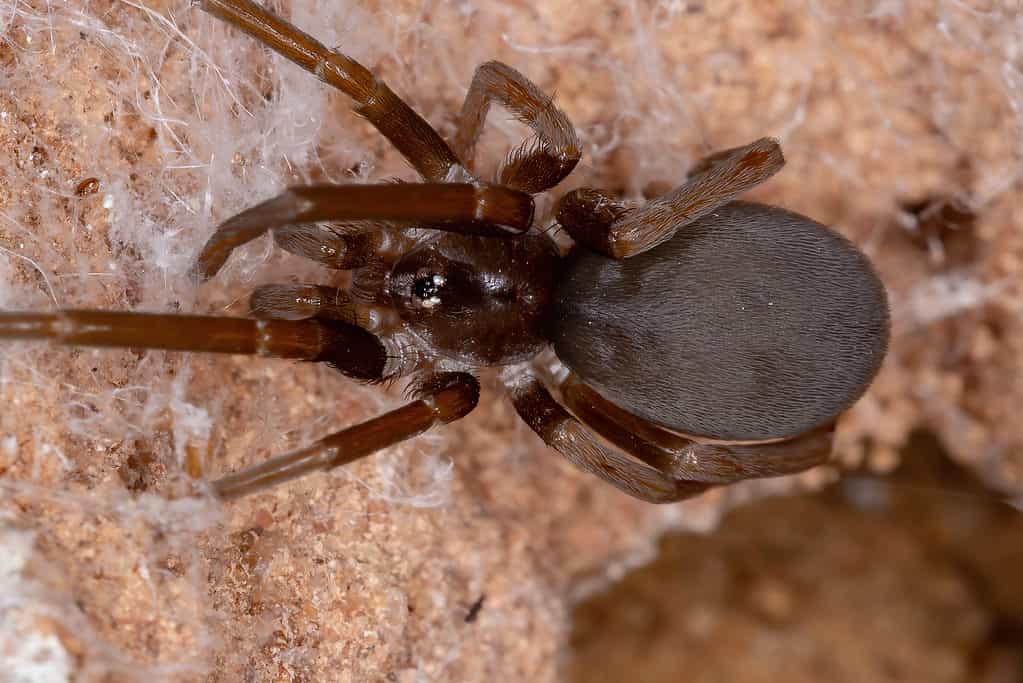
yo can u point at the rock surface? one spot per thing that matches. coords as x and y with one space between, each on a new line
128 130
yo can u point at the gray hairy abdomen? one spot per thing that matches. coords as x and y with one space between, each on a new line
751 323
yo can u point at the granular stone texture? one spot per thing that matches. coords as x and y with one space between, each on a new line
130 128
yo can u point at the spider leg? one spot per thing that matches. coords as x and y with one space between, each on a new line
342 247
622 233
417 141
685 459
299 302
538 165
350 349
570 437
587 214
455 207
440 398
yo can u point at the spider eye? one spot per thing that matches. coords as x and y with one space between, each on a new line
426 288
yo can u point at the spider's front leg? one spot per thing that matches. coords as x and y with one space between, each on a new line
417 141
352 350
301 301
603 224
439 399
340 247
458 207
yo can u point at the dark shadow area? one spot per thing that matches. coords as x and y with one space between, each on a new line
913 577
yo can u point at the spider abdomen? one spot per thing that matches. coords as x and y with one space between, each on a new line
751 323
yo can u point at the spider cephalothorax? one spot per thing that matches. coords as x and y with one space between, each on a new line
479 300
702 340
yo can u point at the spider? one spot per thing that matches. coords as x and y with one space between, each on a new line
700 340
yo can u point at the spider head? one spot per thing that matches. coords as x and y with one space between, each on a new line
479 300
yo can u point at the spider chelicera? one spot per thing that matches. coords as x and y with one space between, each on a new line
701 340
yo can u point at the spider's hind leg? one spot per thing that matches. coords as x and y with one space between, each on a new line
682 458
580 446
646 461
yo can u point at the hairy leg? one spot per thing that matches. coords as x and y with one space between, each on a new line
721 178
408 132
579 445
352 350
300 302
685 459
443 206
537 165
344 247
439 399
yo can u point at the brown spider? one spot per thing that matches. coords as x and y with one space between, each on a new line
701 340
